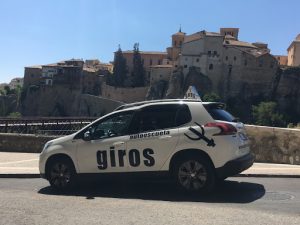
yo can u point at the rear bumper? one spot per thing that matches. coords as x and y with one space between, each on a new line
235 166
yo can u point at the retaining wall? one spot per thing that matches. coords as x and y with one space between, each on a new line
275 145
23 142
268 144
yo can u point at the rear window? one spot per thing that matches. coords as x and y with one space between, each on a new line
220 114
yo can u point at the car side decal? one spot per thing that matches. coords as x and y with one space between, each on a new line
150 134
134 158
200 136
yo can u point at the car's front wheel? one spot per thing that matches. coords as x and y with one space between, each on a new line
194 174
61 174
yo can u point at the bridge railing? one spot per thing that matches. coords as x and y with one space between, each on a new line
44 125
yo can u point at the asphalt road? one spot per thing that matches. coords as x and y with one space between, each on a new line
236 201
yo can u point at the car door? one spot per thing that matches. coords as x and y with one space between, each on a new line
103 149
155 138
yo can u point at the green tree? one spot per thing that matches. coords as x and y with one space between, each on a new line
266 114
15 115
211 97
120 69
7 90
138 72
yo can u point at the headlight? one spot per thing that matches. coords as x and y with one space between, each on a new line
47 145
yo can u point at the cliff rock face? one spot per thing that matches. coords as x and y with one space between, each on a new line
58 101
175 89
195 78
8 104
287 91
157 90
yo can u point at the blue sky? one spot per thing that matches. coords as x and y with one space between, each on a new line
40 32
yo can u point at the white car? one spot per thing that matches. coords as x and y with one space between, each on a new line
195 143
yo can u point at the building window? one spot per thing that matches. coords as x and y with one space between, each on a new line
159 62
185 66
215 52
176 66
226 58
209 53
150 62
197 60
260 63
211 67
272 65
160 76
32 75
168 62
234 58
175 43
245 63
186 59
180 43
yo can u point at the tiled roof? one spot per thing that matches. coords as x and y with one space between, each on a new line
146 52
34 67
239 43
179 33
193 37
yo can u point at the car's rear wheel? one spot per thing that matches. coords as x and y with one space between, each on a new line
61 174
194 174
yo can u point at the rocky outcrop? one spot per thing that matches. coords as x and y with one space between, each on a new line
287 92
157 90
8 104
58 101
175 89
195 78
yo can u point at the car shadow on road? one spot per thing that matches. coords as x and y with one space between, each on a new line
226 192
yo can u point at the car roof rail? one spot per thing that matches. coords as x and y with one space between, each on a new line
130 105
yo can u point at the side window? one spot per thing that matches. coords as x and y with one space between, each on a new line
163 116
116 125
183 115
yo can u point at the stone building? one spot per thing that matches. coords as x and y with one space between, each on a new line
160 73
294 52
16 82
73 74
32 75
149 58
234 67
282 59
175 49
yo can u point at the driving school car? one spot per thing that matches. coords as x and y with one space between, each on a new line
195 143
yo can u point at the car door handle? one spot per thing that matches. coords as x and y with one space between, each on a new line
165 137
118 143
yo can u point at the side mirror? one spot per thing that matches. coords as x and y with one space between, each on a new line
87 136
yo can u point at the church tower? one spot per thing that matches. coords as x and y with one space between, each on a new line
177 41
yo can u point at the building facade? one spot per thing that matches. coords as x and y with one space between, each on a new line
294 52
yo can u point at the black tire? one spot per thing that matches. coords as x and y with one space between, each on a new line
61 174
193 173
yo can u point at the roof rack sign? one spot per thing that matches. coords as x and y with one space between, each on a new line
192 93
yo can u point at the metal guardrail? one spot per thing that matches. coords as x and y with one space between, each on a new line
44 125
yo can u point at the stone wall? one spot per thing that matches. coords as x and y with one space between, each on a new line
268 144
275 145
23 142
126 95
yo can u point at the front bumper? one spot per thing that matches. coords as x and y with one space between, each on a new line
235 166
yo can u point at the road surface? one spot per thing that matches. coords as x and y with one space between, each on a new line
236 201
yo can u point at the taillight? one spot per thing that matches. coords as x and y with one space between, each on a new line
226 128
